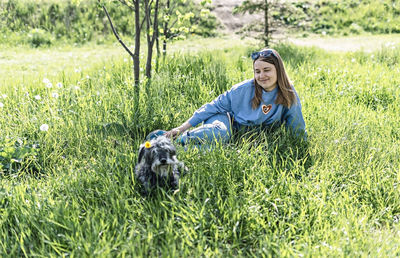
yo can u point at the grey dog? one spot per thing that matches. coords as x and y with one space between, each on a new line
158 165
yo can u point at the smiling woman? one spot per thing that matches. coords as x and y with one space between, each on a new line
265 75
268 100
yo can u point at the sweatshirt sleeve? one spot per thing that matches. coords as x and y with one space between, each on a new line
294 119
221 104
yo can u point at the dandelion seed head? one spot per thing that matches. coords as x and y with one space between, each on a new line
46 81
49 85
1 105
55 95
44 127
37 97
59 85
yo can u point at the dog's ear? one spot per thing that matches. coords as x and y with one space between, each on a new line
141 153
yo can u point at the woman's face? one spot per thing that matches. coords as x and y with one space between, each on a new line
265 75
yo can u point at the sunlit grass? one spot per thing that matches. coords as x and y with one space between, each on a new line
367 43
73 191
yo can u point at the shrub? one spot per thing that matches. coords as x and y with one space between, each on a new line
39 37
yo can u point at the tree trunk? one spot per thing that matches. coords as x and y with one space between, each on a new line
266 26
136 56
150 38
166 31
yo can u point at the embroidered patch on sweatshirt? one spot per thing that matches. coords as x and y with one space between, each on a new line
266 109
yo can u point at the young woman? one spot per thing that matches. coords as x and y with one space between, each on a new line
267 100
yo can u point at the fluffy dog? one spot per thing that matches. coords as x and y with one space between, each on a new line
158 165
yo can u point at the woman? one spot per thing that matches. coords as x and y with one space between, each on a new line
267 100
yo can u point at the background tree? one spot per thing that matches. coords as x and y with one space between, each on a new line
151 17
173 22
252 6
134 5
165 20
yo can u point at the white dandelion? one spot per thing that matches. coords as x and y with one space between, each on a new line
59 85
1 105
4 96
46 81
55 95
44 127
37 97
49 85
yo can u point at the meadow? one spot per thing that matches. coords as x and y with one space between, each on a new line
70 134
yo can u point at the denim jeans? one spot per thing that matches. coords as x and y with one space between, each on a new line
215 129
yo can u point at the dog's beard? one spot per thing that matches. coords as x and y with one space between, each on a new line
164 170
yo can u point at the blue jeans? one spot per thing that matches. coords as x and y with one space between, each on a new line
215 129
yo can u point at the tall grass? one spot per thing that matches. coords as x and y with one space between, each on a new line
73 191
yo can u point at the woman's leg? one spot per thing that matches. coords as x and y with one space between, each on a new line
215 129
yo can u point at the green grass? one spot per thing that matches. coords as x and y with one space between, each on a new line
71 191
367 43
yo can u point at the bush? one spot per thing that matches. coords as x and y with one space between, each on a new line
39 37
341 17
65 20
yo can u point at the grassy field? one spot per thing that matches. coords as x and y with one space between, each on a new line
367 43
68 151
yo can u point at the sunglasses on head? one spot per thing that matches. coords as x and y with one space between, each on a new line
265 53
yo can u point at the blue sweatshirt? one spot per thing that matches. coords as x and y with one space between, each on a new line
237 102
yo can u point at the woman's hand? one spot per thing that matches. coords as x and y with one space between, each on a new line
173 133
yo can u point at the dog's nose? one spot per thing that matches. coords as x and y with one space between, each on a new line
163 161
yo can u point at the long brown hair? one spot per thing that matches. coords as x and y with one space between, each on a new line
286 95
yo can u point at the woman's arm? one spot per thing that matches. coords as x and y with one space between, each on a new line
178 130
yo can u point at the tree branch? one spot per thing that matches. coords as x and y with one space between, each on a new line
124 2
116 34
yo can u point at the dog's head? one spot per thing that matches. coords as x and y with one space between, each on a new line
160 154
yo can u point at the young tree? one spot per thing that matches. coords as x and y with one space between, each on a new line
252 6
134 5
172 22
151 31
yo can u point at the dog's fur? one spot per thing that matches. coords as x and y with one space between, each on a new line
158 165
